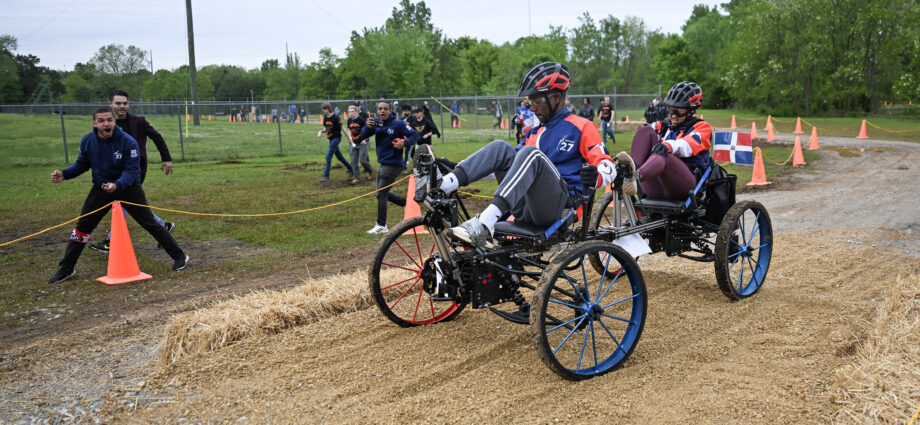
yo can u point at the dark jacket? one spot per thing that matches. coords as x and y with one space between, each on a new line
424 127
586 112
384 135
354 127
115 160
333 126
140 129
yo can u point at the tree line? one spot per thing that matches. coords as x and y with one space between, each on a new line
781 56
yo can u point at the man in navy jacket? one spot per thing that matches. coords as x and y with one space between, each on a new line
391 136
138 128
114 158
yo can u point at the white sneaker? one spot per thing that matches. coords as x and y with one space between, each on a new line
378 229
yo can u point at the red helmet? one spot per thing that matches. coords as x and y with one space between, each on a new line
544 78
685 94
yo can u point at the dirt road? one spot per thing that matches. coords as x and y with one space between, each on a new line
847 225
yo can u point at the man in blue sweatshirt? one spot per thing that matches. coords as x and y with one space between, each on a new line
114 158
391 136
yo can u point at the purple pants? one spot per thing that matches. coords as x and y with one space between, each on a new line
661 177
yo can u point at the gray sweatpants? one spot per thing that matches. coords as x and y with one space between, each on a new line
358 155
529 185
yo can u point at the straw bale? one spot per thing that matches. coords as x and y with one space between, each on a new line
882 384
262 312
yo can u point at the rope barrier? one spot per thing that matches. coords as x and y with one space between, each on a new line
208 214
448 108
750 119
777 163
473 194
913 418
890 131
806 122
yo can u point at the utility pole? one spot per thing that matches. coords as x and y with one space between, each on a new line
193 71
151 61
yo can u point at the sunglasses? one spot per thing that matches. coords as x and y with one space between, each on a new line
676 112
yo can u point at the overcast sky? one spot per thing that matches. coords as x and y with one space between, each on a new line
245 33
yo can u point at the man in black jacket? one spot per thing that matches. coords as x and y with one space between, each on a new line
137 127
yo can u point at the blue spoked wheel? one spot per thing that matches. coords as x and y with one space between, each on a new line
744 246
586 322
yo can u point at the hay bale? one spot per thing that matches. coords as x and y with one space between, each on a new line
262 312
882 384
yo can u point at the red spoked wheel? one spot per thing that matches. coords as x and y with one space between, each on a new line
396 277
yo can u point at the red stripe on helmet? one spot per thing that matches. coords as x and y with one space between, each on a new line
554 81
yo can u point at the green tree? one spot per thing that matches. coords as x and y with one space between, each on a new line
10 89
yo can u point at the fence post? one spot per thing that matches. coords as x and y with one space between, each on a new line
280 148
64 135
181 142
443 129
476 108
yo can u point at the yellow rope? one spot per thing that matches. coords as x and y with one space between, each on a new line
806 122
209 214
749 119
777 163
55 227
913 418
473 194
890 131
445 107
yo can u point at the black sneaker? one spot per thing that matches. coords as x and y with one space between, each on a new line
180 263
102 247
61 276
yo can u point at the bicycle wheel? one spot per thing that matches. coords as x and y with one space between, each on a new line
586 323
396 277
744 246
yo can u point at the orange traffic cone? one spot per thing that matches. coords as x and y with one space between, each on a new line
627 118
458 123
813 142
862 131
754 131
122 262
797 157
770 136
758 176
769 122
798 126
412 208
230 118
209 117
734 126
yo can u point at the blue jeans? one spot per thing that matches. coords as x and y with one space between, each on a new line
334 150
607 127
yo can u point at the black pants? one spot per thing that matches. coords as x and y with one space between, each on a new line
142 215
386 175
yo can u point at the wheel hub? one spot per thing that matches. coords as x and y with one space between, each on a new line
592 310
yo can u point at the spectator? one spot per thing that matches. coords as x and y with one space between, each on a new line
498 113
662 110
605 112
568 104
303 115
391 136
424 126
292 112
410 120
113 157
358 151
362 111
333 130
406 112
586 111
454 115
275 114
138 128
651 114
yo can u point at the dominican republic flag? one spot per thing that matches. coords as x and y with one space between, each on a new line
733 147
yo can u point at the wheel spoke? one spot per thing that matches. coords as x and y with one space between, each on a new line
404 293
553 320
566 323
756 225
558 301
615 341
566 339
610 285
617 318
401 267
407 254
574 288
584 276
581 354
400 282
740 275
741 229
617 302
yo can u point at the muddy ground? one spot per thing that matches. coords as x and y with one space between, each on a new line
847 225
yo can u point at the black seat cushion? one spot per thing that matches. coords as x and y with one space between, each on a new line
518 229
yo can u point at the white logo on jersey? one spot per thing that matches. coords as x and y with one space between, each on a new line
133 153
117 155
566 145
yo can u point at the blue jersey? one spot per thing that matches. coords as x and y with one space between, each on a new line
569 141
113 160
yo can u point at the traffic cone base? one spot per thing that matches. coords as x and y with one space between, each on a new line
813 142
122 262
412 208
759 175
797 157
862 131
